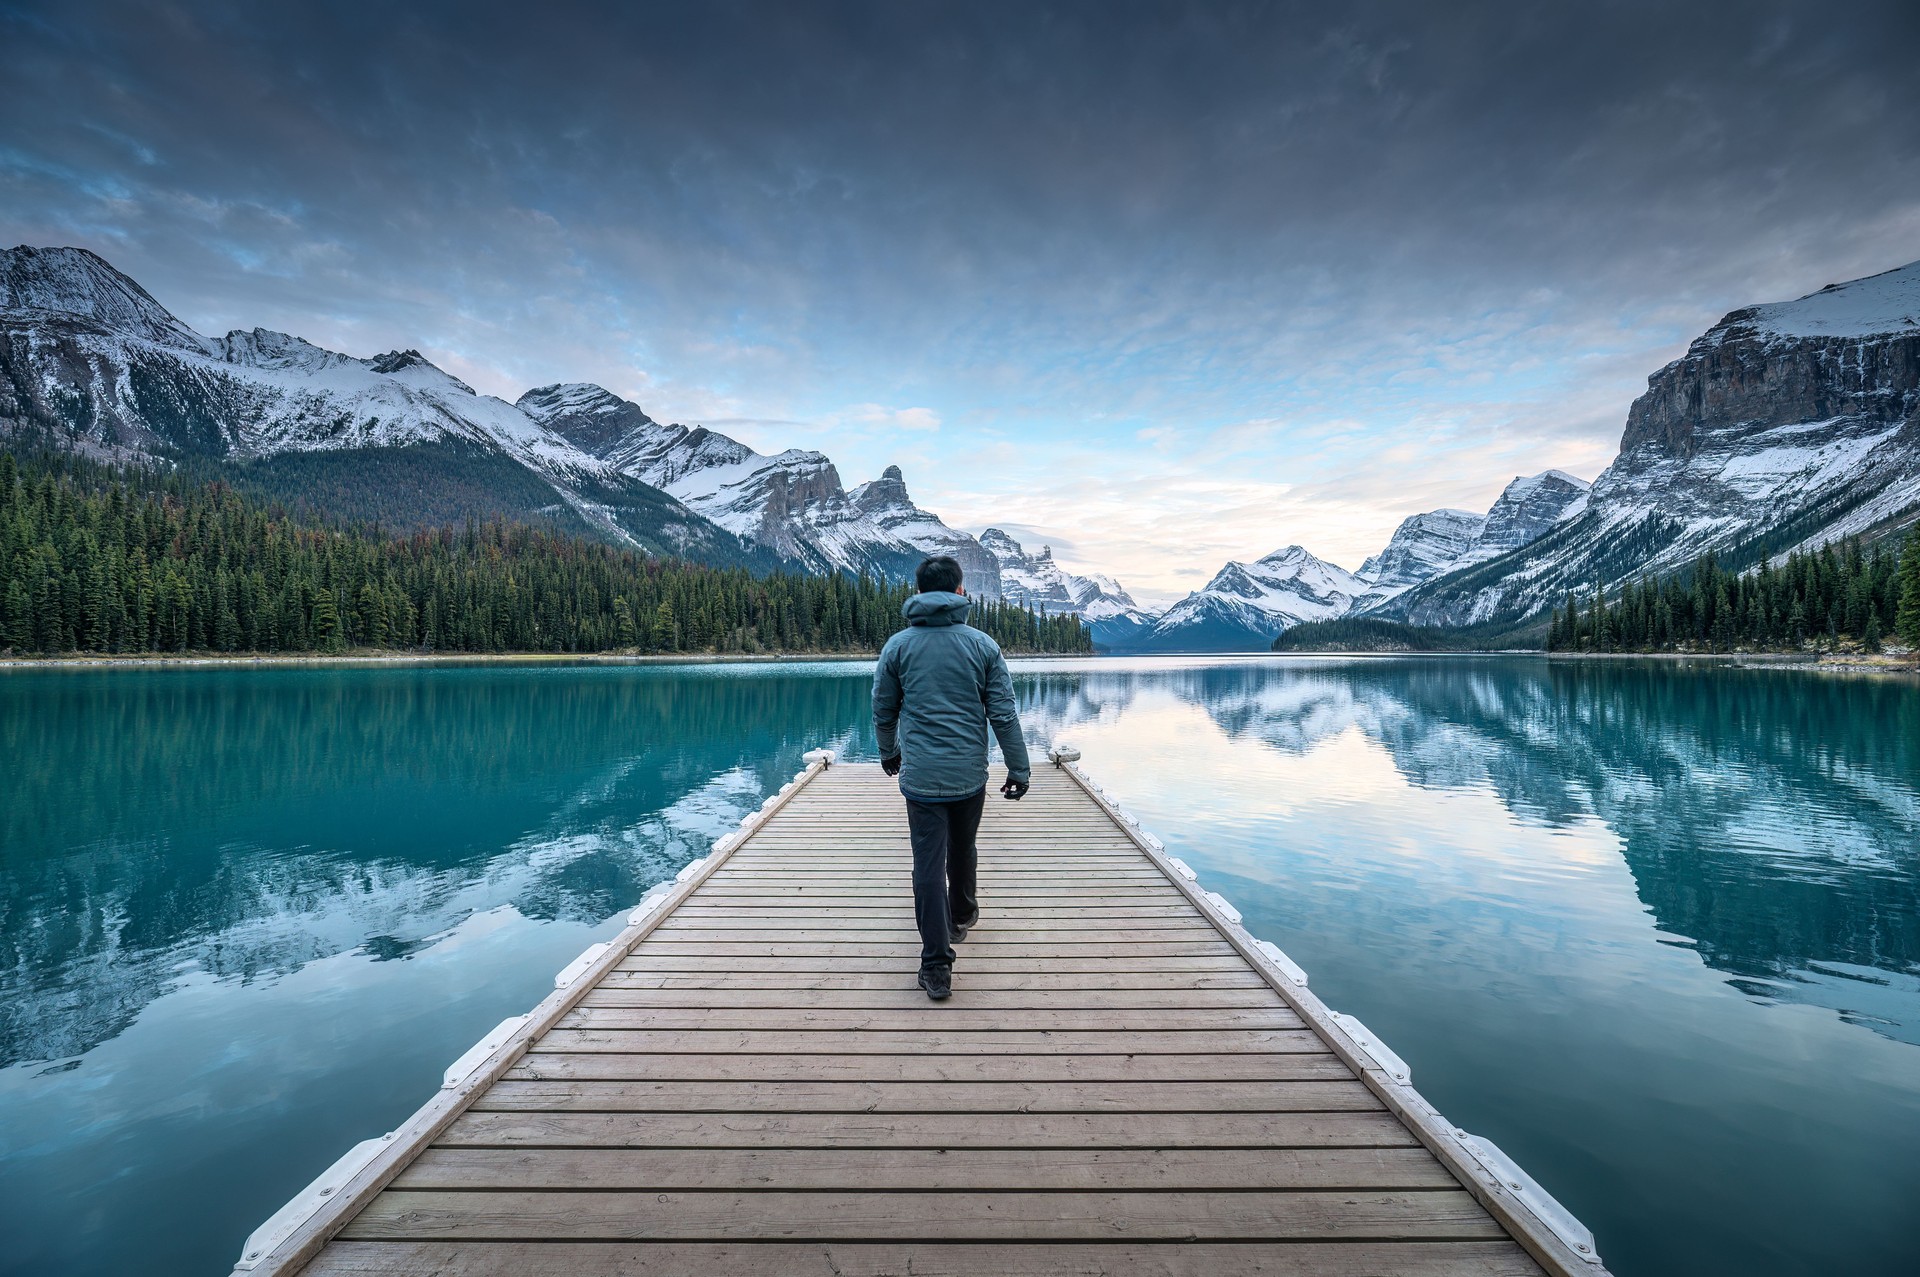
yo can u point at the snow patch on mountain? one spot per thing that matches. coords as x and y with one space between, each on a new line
1246 605
1785 426
75 283
87 353
1524 511
1421 547
793 502
1878 305
1036 581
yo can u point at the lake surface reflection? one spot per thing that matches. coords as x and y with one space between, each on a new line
1654 928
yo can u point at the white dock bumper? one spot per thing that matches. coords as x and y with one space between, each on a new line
649 902
283 1222
462 1069
1554 1217
1295 973
578 967
1383 1057
1219 902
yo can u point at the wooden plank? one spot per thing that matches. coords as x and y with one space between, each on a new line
975 965
899 996
895 977
779 1042
992 931
855 894
915 1169
603 1009
959 1216
688 1066
924 1259
1136 904
1024 948
898 918
758 1086
918 1097
930 1130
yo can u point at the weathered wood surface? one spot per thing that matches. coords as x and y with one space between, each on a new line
759 1088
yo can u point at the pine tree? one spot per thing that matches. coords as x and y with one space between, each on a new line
1907 619
327 633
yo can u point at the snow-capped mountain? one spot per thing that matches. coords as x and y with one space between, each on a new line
1786 425
1036 581
792 503
1525 510
1422 547
1429 545
1247 605
1243 608
89 360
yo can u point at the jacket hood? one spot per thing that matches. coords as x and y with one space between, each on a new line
936 608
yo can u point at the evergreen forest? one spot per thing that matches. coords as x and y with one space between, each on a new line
1837 597
104 559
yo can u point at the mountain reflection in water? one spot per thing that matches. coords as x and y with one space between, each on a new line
1770 818
1654 927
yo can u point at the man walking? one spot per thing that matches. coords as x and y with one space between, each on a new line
940 683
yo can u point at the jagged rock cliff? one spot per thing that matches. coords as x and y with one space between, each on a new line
1422 547
792 503
1036 581
1783 426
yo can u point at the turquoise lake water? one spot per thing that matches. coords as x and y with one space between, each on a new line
1653 928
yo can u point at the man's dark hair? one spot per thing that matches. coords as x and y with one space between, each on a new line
938 575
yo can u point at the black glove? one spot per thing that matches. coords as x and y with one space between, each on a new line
1014 789
891 766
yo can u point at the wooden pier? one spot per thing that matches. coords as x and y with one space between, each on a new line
747 1081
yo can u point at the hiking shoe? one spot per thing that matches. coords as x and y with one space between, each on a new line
937 983
960 929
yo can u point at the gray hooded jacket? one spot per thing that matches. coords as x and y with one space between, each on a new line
938 686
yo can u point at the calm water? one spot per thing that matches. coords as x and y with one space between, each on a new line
1654 929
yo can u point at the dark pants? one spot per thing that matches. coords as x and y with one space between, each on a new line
944 863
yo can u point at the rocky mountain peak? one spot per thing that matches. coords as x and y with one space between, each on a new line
77 283
1423 545
1848 350
1003 546
1036 581
1887 304
889 490
264 348
1526 508
416 369
591 418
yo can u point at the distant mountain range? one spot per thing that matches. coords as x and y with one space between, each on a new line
1784 426
90 361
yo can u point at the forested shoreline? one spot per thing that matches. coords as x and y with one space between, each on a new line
101 559
1837 598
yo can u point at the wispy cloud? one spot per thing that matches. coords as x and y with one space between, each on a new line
1162 285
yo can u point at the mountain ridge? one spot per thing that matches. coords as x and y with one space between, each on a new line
1785 425
793 502
91 361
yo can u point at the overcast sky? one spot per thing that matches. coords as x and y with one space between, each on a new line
1163 285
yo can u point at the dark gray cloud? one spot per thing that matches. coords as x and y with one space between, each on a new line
1084 219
